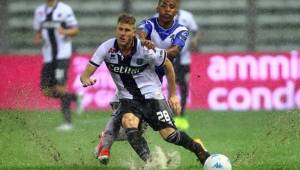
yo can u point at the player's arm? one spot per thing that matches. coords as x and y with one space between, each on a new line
38 38
94 63
142 36
195 37
70 32
170 75
173 51
177 44
85 77
70 25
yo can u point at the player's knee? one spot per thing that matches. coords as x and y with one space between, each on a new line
166 132
173 137
60 88
129 120
47 92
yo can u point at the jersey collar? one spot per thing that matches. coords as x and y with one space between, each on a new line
133 50
164 33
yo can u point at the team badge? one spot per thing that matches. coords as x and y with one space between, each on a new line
184 35
172 37
113 56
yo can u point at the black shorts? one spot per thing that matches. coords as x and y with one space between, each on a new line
156 113
54 73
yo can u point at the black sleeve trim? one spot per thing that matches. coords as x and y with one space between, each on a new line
94 64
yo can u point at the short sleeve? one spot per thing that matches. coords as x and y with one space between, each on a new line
192 24
36 21
181 38
98 56
145 26
70 19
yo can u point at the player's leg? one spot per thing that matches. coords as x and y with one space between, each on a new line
183 84
105 142
160 119
181 80
130 122
113 132
118 133
108 136
61 71
53 79
180 138
48 85
54 75
65 107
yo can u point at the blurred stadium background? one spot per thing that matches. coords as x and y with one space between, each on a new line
227 25
266 140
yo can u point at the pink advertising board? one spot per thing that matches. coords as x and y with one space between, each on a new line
20 84
246 81
219 81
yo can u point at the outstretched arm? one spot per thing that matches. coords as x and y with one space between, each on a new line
172 52
170 74
86 74
147 43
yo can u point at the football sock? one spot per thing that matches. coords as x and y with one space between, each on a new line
111 130
66 99
65 108
182 139
138 143
64 95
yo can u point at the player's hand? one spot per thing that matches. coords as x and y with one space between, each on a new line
38 39
175 104
61 31
87 82
147 43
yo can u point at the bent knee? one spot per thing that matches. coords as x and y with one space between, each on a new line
129 120
164 133
47 92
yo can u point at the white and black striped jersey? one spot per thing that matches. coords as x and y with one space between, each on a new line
134 75
47 20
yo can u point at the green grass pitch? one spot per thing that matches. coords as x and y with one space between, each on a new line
252 140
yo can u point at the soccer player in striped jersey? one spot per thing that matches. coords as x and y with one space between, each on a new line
132 67
55 24
164 32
